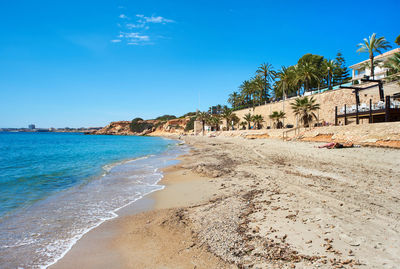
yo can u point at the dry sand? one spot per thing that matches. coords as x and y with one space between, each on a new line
262 203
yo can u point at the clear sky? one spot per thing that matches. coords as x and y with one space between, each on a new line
86 63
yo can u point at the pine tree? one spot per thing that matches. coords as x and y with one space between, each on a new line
341 72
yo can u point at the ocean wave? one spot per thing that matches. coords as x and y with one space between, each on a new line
57 223
110 166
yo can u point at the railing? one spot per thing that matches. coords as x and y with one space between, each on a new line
296 131
369 111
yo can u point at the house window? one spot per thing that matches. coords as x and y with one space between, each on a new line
360 72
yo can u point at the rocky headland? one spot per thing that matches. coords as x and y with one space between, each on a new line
150 127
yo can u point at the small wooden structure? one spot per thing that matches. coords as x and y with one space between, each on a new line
383 113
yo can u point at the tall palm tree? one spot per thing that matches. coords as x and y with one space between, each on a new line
257 119
227 115
250 89
329 66
248 118
267 72
286 83
246 91
235 119
372 45
257 85
367 65
304 108
203 117
234 99
277 116
307 73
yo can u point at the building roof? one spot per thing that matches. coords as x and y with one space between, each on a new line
383 55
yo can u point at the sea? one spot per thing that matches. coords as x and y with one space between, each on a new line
55 187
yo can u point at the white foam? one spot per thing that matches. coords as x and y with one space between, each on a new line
69 243
110 166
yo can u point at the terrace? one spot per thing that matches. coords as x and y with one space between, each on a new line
385 110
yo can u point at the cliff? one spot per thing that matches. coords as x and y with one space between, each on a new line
151 127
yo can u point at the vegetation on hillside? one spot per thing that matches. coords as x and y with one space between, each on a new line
312 72
166 117
138 125
190 125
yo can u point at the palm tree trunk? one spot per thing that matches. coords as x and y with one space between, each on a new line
283 106
371 57
265 88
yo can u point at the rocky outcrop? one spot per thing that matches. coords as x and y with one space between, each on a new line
115 128
174 126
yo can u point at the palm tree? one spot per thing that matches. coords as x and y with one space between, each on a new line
397 41
246 91
214 121
203 117
252 89
235 119
277 116
393 63
329 66
307 73
372 45
304 108
268 74
257 119
227 115
248 118
243 124
286 83
257 84
367 65
234 99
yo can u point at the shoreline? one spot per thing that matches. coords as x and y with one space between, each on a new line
266 203
134 206
176 193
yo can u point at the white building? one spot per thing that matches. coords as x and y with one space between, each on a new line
362 69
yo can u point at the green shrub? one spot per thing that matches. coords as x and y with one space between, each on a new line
158 124
188 114
166 117
176 126
138 125
190 124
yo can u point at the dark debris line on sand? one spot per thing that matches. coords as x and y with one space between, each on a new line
224 224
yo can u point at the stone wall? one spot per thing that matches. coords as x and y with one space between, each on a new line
327 100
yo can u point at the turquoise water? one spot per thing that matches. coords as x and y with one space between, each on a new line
54 187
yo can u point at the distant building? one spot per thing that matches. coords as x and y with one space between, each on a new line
32 126
363 69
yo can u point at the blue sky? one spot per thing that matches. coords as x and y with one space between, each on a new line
86 63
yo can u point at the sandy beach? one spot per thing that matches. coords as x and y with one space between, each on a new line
258 203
